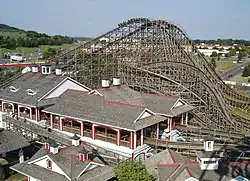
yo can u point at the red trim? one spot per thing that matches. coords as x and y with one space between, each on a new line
124 104
189 172
168 165
171 155
27 178
132 140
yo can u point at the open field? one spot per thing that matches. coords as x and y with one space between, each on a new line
244 92
31 50
224 65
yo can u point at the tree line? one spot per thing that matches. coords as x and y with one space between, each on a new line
33 39
228 42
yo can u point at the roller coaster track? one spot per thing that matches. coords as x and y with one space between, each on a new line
158 56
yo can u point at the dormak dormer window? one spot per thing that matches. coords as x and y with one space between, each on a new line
49 164
31 92
13 89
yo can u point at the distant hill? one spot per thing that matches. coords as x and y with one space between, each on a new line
12 38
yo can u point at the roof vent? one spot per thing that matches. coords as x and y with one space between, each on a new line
54 147
31 92
34 69
116 81
13 89
58 71
75 140
46 69
105 83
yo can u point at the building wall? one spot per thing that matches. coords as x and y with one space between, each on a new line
68 84
55 168
32 179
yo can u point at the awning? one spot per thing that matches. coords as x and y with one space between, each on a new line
148 121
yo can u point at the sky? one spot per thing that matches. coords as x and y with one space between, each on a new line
201 19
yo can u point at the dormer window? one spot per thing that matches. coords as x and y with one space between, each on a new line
49 164
13 89
31 92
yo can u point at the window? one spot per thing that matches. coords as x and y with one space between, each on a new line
209 145
13 89
49 164
31 92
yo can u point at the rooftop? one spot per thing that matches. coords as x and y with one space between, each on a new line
10 141
68 161
116 106
173 166
37 82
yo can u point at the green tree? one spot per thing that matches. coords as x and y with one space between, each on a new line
246 71
132 171
214 54
240 57
232 52
213 63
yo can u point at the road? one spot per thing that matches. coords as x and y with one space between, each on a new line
234 71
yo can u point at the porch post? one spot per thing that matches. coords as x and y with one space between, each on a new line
118 137
141 137
36 113
30 112
18 110
93 131
82 128
2 106
132 140
182 118
135 139
170 124
186 119
13 108
60 124
52 121
157 130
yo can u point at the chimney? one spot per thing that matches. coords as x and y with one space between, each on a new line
46 69
54 147
116 81
83 154
75 140
105 82
208 143
34 68
58 71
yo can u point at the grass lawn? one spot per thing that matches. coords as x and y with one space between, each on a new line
239 79
244 92
243 113
16 177
224 65
31 50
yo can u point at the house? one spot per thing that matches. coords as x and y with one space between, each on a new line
114 116
172 166
74 162
11 149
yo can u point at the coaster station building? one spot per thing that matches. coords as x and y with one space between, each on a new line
114 116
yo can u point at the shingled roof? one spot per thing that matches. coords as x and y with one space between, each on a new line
10 141
170 165
37 82
95 109
66 160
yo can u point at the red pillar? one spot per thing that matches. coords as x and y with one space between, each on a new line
118 137
132 140
82 128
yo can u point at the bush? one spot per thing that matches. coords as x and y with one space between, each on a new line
132 171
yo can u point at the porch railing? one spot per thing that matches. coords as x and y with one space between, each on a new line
72 129
56 125
124 143
88 133
106 138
